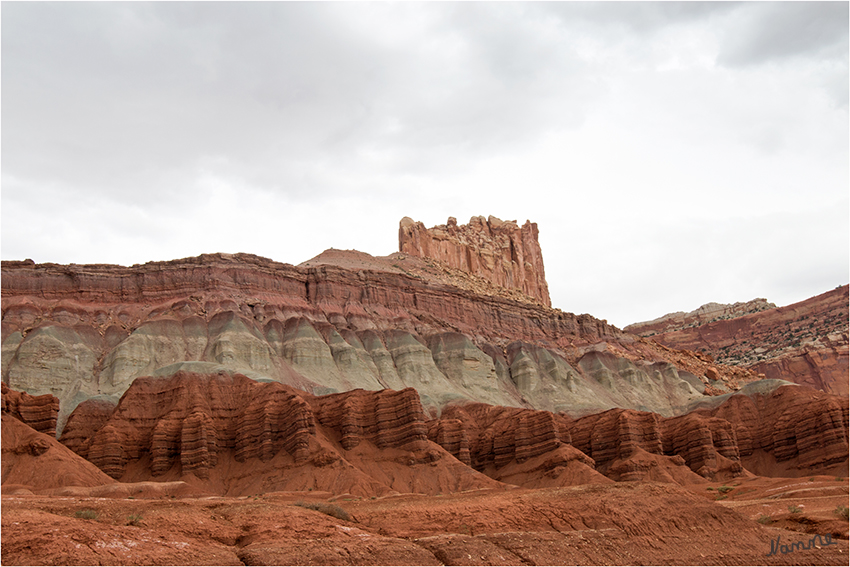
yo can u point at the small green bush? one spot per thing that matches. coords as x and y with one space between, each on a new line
134 519
724 489
794 509
842 512
329 509
86 514
765 519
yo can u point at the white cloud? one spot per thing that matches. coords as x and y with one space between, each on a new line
664 149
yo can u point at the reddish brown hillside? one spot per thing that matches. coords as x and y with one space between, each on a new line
806 342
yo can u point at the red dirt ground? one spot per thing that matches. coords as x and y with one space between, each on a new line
602 524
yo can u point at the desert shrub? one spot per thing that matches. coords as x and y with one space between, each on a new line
765 519
842 512
86 514
794 509
134 519
329 509
724 489
721 497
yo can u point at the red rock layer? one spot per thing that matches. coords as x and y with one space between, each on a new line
806 342
114 298
189 418
707 313
615 435
451 435
500 251
36 461
802 430
703 443
39 412
85 421
386 418
497 435
102 305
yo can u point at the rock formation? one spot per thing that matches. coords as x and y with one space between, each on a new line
194 426
86 332
790 431
38 412
500 251
806 342
754 428
35 461
707 313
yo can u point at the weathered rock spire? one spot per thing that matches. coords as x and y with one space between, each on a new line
501 251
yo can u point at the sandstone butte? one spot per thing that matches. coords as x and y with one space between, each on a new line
439 371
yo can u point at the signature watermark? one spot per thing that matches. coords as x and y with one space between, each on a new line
776 548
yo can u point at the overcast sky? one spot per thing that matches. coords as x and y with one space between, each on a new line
671 154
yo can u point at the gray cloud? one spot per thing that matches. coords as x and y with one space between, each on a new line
767 32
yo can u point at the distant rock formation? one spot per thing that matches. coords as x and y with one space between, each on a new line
707 313
500 251
806 342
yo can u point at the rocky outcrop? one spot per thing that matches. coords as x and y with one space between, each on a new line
38 412
806 342
34 462
87 419
235 435
707 313
518 446
188 419
499 251
86 332
791 431
386 418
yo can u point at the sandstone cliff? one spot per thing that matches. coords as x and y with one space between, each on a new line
233 435
86 332
500 251
806 342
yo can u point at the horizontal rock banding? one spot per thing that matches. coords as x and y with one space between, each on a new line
386 418
497 250
806 342
39 412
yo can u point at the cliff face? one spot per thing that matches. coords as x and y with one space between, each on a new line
217 427
500 251
231 434
806 342
86 332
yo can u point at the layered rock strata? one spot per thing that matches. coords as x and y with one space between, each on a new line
38 412
708 313
386 418
791 430
500 251
806 342
86 332
237 435
188 419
